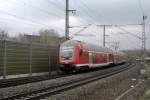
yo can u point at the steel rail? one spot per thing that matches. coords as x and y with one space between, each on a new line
39 94
5 83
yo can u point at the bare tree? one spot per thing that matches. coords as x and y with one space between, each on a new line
49 37
3 34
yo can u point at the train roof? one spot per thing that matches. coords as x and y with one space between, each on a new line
97 48
91 47
69 43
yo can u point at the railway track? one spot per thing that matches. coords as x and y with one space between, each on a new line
24 80
5 83
39 94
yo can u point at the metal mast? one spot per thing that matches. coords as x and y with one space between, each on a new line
144 36
104 33
104 36
67 20
67 26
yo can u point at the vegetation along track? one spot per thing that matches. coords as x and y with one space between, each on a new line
36 95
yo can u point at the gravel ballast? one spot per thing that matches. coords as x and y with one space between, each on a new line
5 92
105 89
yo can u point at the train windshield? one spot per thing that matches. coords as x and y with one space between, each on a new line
66 53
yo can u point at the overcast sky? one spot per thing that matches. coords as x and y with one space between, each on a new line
29 16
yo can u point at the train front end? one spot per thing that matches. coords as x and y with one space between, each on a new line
67 56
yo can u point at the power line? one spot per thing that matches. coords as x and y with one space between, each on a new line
42 10
88 18
19 17
85 21
54 4
104 32
39 9
77 14
80 26
87 10
83 29
7 19
127 32
92 10
30 20
23 18
133 42
141 7
84 10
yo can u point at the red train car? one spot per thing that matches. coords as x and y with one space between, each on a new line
75 55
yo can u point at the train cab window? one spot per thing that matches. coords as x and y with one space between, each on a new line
66 53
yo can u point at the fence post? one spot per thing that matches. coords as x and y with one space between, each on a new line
30 73
49 63
4 58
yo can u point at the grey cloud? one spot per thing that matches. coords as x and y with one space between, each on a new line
51 15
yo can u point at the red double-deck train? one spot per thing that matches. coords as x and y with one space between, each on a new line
76 55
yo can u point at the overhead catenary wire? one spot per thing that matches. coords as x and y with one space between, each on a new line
127 32
88 18
117 39
56 5
141 7
38 8
74 5
86 9
61 2
20 17
43 10
90 8
83 29
83 10
24 19
32 21
82 21
98 14
19 21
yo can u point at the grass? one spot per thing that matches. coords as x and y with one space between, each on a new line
146 95
146 73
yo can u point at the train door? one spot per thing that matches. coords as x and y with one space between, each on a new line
115 59
90 59
108 58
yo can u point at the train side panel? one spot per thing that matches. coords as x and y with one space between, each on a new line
119 57
75 55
